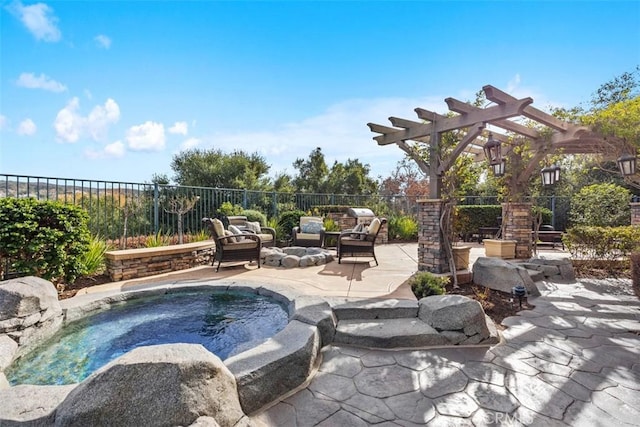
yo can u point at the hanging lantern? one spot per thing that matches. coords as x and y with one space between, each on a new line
556 168
499 168
493 150
548 175
627 164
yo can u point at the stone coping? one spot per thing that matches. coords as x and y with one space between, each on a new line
269 371
159 250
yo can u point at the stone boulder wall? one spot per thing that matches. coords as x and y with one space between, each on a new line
294 256
459 318
501 275
277 366
31 405
29 313
161 385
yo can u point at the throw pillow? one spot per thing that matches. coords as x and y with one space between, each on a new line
374 226
357 229
253 227
312 227
235 230
230 239
218 227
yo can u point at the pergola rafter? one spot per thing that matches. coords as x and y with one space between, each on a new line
565 138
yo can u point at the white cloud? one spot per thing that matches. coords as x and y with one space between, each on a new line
148 136
4 123
117 149
179 128
26 128
190 143
103 41
341 131
44 82
70 125
39 20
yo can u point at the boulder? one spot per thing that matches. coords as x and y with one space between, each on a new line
8 349
454 313
25 296
315 311
163 385
29 311
501 275
290 261
33 405
279 365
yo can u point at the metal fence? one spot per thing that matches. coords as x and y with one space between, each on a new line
118 209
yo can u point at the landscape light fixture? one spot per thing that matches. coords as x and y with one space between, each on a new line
549 175
627 164
499 168
493 150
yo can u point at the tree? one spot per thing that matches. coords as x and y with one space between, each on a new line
214 168
312 173
601 205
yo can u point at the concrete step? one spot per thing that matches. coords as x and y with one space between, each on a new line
388 333
374 309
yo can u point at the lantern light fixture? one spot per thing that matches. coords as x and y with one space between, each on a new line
493 150
548 175
627 164
499 168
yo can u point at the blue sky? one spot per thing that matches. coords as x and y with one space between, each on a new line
112 90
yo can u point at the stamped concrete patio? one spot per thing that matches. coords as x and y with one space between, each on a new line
573 360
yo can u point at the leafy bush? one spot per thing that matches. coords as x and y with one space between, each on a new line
200 236
93 258
228 208
424 284
602 243
288 220
331 225
403 228
158 239
253 215
467 219
45 239
547 214
601 205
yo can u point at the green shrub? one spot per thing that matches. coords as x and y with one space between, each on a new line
93 258
158 239
287 221
602 243
200 236
253 215
228 208
424 284
331 225
547 214
601 205
45 239
467 219
403 228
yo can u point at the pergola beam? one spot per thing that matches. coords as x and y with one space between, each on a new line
463 107
497 112
474 132
500 97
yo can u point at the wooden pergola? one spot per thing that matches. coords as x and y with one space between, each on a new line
505 118
566 138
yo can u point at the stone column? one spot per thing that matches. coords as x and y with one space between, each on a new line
635 213
516 220
431 253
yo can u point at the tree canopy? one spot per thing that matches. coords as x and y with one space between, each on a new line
214 168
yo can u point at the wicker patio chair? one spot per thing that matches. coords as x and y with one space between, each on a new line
355 244
267 234
233 247
310 232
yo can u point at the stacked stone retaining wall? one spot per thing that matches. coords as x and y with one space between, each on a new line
133 263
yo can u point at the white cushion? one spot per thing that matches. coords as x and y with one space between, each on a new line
230 239
235 230
312 227
253 226
374 226
218 227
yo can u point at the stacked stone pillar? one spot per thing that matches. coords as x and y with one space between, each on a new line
431 248
516 220
635 213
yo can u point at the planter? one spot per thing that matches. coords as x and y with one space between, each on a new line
461 257
505 249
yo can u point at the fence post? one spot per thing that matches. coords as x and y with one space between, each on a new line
156 206
274 205
553 212
244 199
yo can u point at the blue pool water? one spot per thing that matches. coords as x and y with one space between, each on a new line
224 323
